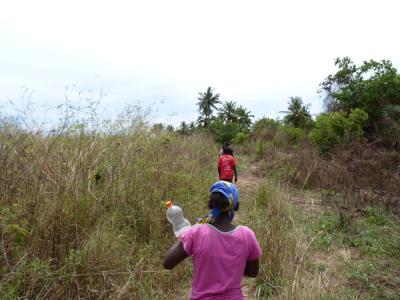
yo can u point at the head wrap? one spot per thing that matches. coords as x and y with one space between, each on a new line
231 193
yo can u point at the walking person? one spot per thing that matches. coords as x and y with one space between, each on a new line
227 166
222 252
221 152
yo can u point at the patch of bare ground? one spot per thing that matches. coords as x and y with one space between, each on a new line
308 201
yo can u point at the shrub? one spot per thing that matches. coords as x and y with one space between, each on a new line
224 131
264 129
288 136
333 128
240 138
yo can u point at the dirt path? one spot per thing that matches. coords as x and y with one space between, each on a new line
248 181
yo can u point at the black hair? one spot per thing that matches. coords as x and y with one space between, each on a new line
217 200
226 144
228 151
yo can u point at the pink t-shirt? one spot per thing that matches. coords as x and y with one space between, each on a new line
219 260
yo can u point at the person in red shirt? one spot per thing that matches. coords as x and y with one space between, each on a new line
227 166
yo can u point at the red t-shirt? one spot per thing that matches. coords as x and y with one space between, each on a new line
226 163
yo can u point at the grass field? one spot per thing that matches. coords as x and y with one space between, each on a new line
82 217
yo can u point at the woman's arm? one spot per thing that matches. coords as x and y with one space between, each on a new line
174 256
251 268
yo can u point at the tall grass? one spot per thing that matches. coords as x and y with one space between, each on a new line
354 177
285 245
81 209
321 256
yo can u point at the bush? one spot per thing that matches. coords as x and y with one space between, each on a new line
289 136
334 128
265 129
240 138
224 131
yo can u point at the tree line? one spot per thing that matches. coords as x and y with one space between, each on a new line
360 101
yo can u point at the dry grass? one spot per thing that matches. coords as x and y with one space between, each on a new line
354 177
81 210
312 254
284 243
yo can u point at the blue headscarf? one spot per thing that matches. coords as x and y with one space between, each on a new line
231 193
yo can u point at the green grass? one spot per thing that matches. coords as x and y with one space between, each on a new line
373 234
373 240
375 279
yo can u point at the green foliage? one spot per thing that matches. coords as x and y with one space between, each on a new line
260 148
240 138
206 102
232 124
228 112
325 228
231 119
375 234
297 115
183 128
375 279
265 129
289 135
372 87
333 128
244 119
224 131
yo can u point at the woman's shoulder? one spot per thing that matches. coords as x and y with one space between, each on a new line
247 230
197 228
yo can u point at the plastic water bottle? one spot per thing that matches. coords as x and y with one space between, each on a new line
175 217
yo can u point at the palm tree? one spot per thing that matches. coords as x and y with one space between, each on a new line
243 118
183 128
228 111
192 126
297 114
207 101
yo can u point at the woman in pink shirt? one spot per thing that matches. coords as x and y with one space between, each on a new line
222 252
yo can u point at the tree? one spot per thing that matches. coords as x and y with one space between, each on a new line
170 128
243 117
207 101
192 126
228 111
223 131
265 129
297 114
335 128
158 127
183 128
373 87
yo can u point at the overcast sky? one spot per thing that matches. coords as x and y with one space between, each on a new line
257 53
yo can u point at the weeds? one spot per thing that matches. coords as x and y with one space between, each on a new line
81 208
327 256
